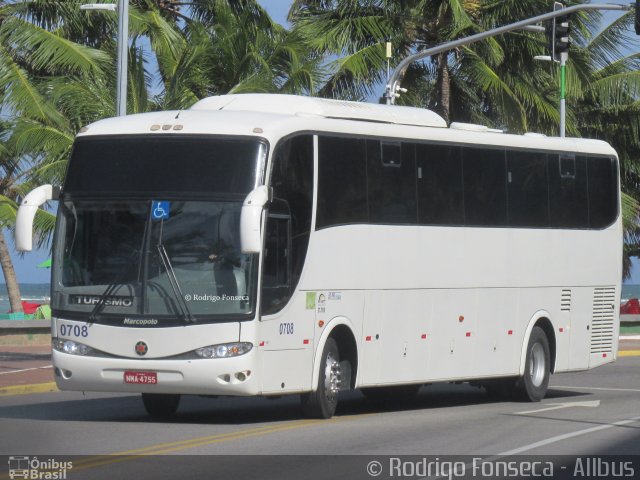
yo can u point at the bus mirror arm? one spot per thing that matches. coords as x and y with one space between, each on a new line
27 212
251 218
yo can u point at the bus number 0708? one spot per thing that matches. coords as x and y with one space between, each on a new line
286 329
74 331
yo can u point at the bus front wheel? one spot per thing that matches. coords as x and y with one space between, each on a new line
160 406
532 386
322 402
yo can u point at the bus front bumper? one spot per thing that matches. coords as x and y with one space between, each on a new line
218 376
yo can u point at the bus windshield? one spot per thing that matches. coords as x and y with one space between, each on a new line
166 250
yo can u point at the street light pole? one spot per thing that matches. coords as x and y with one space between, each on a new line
123 48
123 57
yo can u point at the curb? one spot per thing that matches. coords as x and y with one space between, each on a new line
629 353
26 389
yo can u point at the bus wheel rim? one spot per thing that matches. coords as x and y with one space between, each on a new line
537 365
331 378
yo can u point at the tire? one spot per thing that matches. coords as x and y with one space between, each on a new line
323 401
532 386
391 395
160 406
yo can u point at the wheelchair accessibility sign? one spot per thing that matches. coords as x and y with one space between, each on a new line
160 209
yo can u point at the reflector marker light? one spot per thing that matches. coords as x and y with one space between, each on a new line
461 318
424 336
561 329
321 323
510 332
468 334
368 338
305 342
262 343
604 355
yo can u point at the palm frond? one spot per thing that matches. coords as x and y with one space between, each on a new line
45 50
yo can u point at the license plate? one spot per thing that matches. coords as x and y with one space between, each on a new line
141 378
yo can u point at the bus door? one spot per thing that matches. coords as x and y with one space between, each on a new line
286 327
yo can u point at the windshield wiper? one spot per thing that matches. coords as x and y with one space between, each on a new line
175 285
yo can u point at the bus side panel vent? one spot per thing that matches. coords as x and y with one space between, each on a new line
602 319
565 301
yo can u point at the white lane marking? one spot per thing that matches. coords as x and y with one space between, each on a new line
26 369
598 388
566 436
558 406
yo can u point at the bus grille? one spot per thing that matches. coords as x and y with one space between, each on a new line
602 319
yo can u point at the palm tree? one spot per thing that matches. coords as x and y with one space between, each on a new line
7 168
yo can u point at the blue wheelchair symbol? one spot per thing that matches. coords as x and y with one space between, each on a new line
160 209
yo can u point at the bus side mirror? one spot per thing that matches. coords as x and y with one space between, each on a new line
27 212
251 219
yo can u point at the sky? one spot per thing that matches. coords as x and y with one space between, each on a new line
26 265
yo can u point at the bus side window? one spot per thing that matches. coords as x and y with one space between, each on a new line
603 187
391 182
440 187
342 182
528 189
568 198
485 186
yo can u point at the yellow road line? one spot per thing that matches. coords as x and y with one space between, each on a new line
629 353
25 389
172 447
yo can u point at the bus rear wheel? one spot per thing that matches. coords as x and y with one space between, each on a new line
322 402
160 406
532 386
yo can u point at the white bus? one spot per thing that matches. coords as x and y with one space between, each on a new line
272 244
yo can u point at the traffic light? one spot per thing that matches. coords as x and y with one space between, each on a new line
561 35
557 31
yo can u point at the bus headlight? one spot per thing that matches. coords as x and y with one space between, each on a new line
70 347
224 350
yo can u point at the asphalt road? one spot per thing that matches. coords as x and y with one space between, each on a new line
590 413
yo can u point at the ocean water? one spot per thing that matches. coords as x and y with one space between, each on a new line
40 292
630 291
36 292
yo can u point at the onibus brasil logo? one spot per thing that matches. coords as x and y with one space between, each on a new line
35 469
